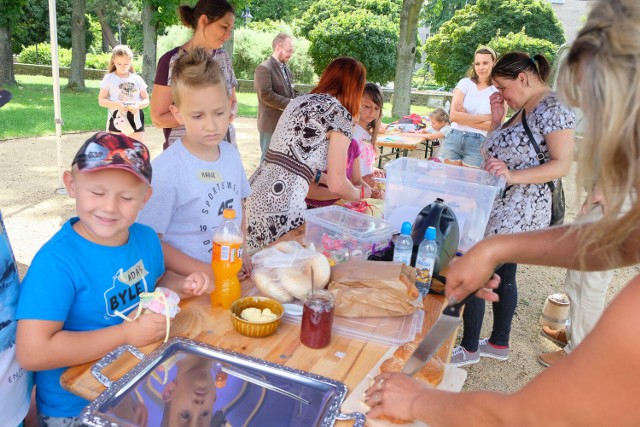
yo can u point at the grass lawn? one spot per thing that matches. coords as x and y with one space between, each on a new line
30 112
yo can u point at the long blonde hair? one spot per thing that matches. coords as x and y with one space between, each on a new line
120 50
601 74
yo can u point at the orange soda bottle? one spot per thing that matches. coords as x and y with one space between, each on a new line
226 260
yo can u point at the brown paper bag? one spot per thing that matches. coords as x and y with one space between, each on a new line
374 289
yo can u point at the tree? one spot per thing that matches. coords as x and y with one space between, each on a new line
278 10
11 13
437 12
78 46
34 25
450 50
324 10
405 54
361 35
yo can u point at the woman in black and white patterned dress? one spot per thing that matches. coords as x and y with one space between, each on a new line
312 135
526 205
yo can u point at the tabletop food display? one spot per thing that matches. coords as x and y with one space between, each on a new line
325 311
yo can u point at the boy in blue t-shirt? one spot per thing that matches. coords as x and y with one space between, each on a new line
91 271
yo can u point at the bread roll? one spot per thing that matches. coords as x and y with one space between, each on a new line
392 364
269 285
405 351
297 282
432 372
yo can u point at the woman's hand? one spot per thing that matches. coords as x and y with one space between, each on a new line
473 273
498 109
498 168
394 395
247 265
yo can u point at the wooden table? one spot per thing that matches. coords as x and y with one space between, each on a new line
401 144
346 359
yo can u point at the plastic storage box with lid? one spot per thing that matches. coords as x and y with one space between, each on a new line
342 234
412 184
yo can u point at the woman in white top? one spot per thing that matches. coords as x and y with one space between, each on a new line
124 94
471 112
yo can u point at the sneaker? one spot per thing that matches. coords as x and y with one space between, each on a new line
461 357
558 336
489 350
548 359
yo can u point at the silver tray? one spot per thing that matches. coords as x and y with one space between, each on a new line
188 383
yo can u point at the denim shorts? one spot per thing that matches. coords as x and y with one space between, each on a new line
465 146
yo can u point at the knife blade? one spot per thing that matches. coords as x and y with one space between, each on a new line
441 330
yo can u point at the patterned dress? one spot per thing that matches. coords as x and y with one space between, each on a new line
298 147
526 207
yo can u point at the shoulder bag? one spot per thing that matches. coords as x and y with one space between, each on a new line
557 192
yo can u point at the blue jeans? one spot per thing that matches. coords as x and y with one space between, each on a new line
265 140
464 146
503 312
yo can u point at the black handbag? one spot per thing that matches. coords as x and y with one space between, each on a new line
557 192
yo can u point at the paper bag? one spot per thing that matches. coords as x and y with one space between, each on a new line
374 289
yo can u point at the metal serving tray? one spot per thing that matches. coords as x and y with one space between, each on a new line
188 383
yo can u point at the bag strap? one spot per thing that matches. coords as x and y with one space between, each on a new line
536 147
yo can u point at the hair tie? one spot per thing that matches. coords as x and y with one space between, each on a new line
533 61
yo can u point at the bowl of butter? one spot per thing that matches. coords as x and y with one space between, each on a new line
256 317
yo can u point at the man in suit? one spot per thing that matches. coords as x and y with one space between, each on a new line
274 85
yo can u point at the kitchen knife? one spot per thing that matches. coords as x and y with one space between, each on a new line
437 335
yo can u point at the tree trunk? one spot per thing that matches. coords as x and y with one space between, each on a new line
7 77
149 43
405 58
78 45
107 33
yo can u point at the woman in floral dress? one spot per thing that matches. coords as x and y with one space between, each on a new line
312 135
526 204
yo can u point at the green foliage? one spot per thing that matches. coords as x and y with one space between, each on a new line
34 24
327 10
41 55
176 35
450 51
521 41
12 12
437 12
252 46
98 61
277 10
361 34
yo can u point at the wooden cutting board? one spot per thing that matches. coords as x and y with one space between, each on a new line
453 380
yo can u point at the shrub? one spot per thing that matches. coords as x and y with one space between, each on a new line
252 46
43 55
97 61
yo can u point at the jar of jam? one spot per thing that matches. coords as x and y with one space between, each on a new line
317 319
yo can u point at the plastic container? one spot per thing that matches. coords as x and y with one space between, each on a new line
412 184
403 248
342 235
226 260
317 319
426 261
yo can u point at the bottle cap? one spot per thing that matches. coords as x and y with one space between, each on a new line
430 234
406 228
229 214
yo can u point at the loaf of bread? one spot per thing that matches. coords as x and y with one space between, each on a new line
432 372
408 278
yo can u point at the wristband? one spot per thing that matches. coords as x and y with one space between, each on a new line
316 180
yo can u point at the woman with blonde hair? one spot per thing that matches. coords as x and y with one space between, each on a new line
312 135
599 382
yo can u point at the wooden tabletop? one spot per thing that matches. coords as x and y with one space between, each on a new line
402 141
346 359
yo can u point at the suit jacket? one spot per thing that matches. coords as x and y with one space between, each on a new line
273 93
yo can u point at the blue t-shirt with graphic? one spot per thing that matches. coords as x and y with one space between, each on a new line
15 382
83 284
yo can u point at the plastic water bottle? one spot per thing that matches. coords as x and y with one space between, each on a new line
226 260
426 260
404 245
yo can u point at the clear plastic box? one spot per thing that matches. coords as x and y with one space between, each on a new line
395 330
342 234
412 184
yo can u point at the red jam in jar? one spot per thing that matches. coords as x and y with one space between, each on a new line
317 319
